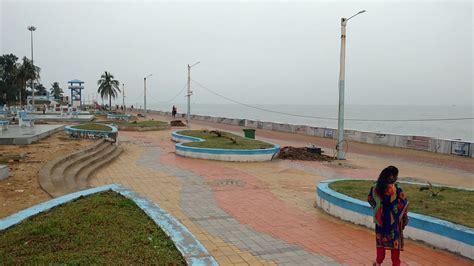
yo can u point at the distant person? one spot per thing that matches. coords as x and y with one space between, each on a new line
44 108
390 206
174 110
131 107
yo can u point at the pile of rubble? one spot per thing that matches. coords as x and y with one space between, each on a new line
177 123
302 154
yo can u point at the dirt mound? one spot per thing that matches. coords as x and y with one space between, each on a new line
177 123
300 153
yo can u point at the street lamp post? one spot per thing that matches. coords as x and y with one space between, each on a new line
123 98
31 29
144 92
188 115
342 75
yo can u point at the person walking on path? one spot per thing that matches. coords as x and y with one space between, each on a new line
174 110
390 205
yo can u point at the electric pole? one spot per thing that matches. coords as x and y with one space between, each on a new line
31 29
123 98
188 114
342 76
144 92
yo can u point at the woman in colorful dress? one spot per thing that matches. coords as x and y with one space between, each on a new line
390 205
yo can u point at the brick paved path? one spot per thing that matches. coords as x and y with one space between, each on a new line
252 213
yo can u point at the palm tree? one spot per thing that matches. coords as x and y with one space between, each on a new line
108 87
40 90
56 91
24 72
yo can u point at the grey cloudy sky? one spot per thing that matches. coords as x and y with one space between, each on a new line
256 52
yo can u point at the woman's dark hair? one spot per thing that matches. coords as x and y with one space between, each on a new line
385 179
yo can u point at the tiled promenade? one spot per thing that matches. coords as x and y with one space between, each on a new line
260 213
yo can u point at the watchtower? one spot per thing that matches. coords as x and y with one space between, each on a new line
76 88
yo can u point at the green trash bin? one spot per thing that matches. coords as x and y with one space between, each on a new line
249 133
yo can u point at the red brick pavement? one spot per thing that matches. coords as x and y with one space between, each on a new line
257 206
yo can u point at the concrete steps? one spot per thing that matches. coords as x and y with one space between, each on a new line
70 173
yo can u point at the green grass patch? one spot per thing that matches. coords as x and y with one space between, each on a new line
147 123
213 141
93 126
104 228
454 205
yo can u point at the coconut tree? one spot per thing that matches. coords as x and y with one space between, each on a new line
56 91
40 89
25 72
108 87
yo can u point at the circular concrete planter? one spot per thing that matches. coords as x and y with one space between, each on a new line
436 232
232 155
138 128
190 247
83 133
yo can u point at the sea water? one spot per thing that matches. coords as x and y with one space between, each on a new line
457 129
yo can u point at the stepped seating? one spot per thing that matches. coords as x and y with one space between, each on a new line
70 173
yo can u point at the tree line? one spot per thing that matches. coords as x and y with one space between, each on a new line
16 76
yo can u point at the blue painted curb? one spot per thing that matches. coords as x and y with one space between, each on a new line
94 133
191 248
72 129
419 221
179 146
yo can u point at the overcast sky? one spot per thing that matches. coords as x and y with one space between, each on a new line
397 52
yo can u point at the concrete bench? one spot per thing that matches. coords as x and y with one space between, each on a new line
4 125
3 113
24 120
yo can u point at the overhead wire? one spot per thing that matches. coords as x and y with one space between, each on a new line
179 93
327 118
171 99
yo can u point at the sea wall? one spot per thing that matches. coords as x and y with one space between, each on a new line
445 146
436 232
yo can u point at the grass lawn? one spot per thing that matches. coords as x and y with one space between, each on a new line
147 123
93 126
213 141
454 205
104 228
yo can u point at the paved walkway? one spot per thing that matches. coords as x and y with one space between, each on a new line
257 213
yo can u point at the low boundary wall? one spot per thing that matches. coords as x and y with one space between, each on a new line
256 155
445 146
193 251
436 232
